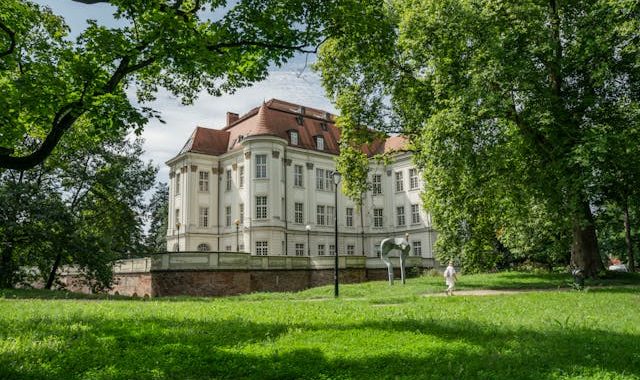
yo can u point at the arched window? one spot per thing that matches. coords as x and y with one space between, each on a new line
203 247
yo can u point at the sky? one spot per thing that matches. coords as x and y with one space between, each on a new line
294 82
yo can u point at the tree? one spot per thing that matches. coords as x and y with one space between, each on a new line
156 239
51 84
499 101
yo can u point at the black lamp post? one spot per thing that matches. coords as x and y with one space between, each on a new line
178 228
237 223
336 181
308 228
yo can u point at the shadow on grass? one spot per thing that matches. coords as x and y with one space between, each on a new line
156 348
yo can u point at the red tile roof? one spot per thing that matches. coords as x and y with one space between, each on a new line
279 118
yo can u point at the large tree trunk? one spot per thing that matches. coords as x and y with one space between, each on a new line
627 237
584 250
6 267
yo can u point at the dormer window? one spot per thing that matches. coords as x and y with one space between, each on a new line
299 119
293 136
323 126
319 143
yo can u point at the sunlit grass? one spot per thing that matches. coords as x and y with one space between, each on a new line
373 331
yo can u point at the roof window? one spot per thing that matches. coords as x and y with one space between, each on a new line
319 143
294 137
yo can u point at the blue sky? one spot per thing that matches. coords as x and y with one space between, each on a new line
292 82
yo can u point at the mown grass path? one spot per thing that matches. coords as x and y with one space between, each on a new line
374 332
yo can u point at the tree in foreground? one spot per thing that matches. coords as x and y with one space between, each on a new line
50 83
503 103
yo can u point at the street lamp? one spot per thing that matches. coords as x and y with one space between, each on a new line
308 228
336 181
237 223
178 228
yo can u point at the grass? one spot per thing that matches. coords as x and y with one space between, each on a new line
373 331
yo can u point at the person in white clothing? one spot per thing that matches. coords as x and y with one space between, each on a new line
450 278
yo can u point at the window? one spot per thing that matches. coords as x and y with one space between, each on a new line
319 143
297 175
399 182
227 248
261 207
203 247
299 249
227 216
328 180
413 179
241 247
351 249
415 214
203 220
298 216
331 214
377 217
241 216
349 218
376 184
321 249
416 247
240 176
203 183
319 179
294 137
400 215
228 186
262 248
377 249
177 216
332 250
320 215
177 183
261 166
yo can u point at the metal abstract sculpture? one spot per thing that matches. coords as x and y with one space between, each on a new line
389 245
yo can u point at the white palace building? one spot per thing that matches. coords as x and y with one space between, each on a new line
263 185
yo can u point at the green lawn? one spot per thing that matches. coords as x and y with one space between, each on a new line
373 331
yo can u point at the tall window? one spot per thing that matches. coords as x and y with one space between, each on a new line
227 216
203 220
261 166
416 247
203 247
399 182
377 249
331 214
240 176
241 216
413 179
377 217
228 180
320 215
319 179
328 180
376 184
298 216
415 214
299 249
321 249
262 248
177 213
261 207
177 183
294 138
349 218
400 216
203 183
319 142
332 250
297 175
351 249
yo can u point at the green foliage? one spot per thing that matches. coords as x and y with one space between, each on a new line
158 214
50 82
521 115
268 336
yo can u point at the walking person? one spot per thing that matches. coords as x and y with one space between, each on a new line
450 278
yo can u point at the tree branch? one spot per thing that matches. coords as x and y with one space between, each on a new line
263 44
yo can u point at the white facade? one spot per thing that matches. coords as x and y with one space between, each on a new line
273 191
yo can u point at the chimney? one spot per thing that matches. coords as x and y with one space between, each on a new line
232 118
